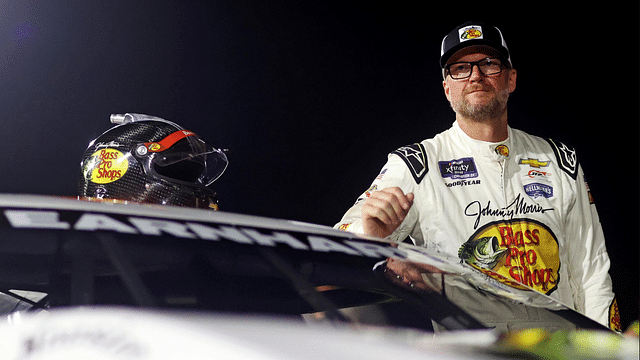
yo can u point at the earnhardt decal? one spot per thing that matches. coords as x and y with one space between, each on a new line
91 222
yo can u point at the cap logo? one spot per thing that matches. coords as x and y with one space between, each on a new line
470 33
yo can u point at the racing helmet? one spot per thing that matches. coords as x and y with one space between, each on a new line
147 159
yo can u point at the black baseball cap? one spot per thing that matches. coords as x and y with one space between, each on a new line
473 33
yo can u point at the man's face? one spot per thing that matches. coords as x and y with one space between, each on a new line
479 96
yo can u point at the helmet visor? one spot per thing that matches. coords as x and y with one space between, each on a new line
197 163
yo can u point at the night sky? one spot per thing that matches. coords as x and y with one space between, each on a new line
310 96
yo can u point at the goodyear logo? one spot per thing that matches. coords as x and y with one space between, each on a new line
517 252
470 33
105 166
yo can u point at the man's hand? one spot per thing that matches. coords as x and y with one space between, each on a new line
384 210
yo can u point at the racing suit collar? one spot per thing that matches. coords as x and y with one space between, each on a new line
496 151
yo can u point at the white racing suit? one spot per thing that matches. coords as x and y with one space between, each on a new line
519 210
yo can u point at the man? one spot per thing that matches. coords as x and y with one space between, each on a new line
513 205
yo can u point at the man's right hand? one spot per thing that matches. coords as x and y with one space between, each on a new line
384 211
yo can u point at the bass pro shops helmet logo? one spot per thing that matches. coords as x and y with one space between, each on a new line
105 166
515 252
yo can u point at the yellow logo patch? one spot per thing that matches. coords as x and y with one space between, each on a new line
502 150
106 166
534 163
154 147
470 33
515 252
614 316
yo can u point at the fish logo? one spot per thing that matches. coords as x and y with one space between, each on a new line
484 252
470 33
520 253
502 150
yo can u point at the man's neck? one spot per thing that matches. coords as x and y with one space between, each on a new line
490 130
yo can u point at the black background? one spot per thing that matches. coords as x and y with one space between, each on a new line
310 96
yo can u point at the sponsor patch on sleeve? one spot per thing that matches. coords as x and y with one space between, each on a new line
415 157
344 227
614 316
588 191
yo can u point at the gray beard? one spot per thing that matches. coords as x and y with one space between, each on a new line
492 110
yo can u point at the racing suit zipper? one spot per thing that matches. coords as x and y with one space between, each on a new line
503 184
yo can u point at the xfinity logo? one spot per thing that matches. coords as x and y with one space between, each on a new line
454 168
458 169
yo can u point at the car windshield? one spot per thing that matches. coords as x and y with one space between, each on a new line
72 253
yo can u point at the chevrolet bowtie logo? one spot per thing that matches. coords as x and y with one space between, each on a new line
534 162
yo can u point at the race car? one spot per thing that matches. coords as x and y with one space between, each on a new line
67 261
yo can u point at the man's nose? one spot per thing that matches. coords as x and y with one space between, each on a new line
476 73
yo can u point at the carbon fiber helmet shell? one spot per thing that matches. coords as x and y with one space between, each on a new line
151 161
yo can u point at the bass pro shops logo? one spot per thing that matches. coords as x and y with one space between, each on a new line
470 33
515 252
105 166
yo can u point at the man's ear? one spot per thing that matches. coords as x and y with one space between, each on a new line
445 85
513 75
